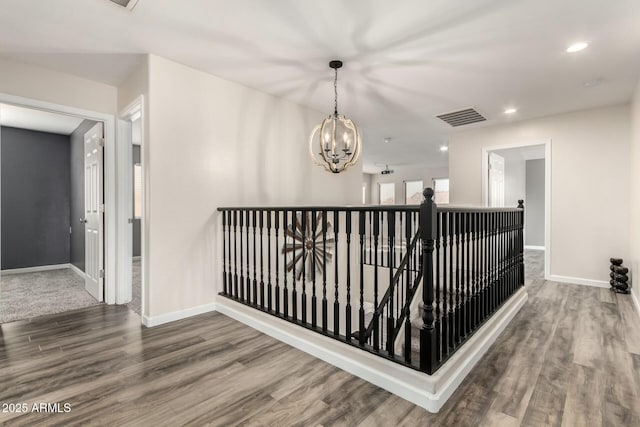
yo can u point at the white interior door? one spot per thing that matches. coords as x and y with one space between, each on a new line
496 180
94 211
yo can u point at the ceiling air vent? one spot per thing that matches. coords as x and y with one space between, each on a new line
462 117
129 4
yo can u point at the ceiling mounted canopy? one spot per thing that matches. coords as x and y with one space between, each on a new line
335 143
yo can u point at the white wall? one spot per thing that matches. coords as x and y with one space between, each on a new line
401 174
589 176
214 143
52 86
634 224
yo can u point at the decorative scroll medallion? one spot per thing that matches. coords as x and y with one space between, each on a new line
304 245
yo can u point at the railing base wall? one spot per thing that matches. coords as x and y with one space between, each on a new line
427 391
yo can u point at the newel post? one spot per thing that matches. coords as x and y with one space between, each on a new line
428 227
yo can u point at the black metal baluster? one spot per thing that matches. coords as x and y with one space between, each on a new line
376 231
485 273
361 230
452 314
347 332
474 283
336 302
440 305
458 233
255 262
467 301
269 286
247 277
241 215
314 301
294 280
407 302
261 260
229 225
324 271
235 254
285 292
305 254
446 312
391 231
277 254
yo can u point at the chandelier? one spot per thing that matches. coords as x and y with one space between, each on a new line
335 144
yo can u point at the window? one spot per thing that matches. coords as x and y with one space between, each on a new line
137 191
387 193
364 193
441 190
413 192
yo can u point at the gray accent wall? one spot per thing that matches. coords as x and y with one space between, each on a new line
137 236
35 169
534 202
77 193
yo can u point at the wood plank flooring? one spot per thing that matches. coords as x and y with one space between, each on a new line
571 357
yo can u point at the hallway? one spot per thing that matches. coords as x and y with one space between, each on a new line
570 357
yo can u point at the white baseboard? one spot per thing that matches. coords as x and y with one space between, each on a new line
427 391
77 271
35 269
535 248
578 281
151 321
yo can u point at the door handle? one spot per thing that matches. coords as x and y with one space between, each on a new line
83 220
130 220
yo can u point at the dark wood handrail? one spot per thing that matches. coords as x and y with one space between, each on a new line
365 208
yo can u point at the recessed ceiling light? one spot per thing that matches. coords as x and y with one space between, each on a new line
444 148
387 140
577 47
510 111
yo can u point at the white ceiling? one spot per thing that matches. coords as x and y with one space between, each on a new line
405 61
43 121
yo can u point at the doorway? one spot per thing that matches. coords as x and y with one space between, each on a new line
110 216
52 251
131 144
522 171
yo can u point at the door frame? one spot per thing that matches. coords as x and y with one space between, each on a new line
125 206
110 217
547 189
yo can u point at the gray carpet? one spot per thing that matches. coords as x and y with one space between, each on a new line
136 301
27 295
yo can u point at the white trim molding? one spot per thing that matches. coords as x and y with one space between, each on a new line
151 321
535 248
77 271
578 281
36 269
427 391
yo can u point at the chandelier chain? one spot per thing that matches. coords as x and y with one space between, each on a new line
335 92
